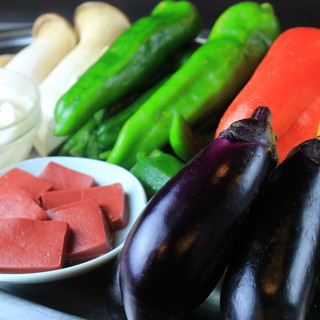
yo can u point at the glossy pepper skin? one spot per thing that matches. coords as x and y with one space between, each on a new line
180 245
212 76
155 169
97 136
275 275
77 143
134 57
292 62
183 141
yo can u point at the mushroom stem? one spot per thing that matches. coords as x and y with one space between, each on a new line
5 58
98 24
53 37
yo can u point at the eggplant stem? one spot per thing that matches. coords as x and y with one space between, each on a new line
262 113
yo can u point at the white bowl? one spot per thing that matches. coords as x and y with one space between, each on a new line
104 173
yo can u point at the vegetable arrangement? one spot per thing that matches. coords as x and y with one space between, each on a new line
287 82
203 206
214 73
97 25
135 57
139 108
275 271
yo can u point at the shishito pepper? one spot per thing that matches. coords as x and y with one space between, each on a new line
155 170
136 56
96 137
215 72
77 143
183 140
287 81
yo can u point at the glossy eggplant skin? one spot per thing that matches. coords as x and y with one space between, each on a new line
179 247
274 276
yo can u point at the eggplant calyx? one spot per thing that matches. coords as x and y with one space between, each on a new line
257 128
310 149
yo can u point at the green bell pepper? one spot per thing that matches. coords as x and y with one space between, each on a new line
238 41
133 59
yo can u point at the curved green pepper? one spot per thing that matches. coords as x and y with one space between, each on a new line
108 131
77 143
134 58
183 140
213 74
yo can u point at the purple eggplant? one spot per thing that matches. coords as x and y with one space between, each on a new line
179 247
274 275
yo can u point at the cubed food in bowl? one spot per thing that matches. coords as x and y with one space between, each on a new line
62 177
29 245
16 202
111 198
27 182
90 234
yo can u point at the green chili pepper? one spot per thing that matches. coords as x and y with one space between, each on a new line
213 74
77 143
183 140
155 170
134 58
108 131
99 134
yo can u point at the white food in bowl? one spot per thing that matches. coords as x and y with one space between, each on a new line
20 117
104 173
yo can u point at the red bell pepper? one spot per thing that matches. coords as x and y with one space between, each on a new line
287 81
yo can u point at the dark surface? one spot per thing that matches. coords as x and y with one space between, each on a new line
83 297
291 12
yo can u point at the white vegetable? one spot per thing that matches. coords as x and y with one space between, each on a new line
53 37
4 59
97 24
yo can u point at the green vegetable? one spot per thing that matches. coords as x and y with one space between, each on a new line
76 145
108 131
215 72
183 141
138 55
98 135
155 170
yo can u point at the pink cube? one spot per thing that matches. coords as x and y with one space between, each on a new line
62 177
32 245
89 230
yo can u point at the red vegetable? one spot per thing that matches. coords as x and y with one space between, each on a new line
287 81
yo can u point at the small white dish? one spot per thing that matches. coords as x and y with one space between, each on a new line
104 173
